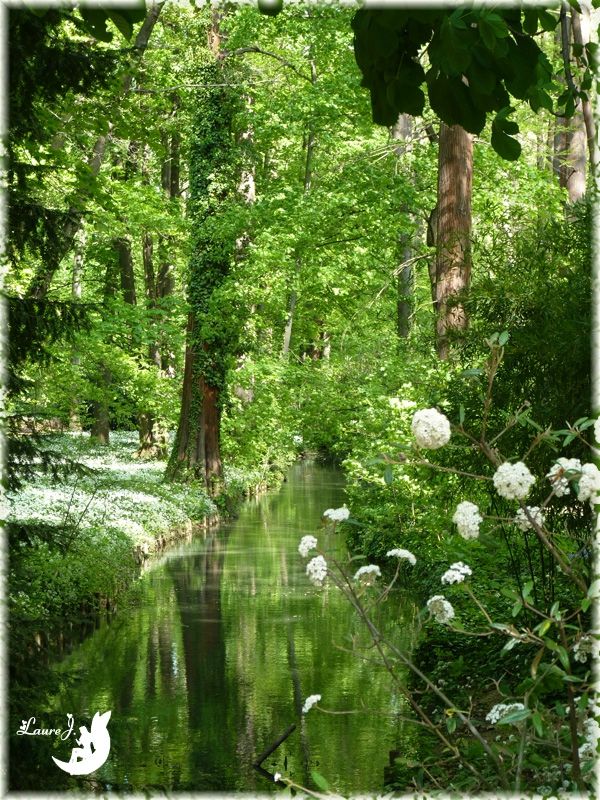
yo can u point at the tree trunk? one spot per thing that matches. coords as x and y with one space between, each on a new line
307 181
401 132
453 247
76 291
100 430
123 247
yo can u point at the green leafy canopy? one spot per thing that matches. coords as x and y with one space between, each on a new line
479 59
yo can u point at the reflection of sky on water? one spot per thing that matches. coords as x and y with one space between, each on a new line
213 660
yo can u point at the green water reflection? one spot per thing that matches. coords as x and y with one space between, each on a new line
225 641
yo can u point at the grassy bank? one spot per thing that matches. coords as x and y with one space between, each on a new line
77 543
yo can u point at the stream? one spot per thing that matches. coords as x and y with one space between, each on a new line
210 662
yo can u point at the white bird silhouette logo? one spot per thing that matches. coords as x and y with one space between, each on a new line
83 759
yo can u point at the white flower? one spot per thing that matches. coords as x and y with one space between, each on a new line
307 543
440 608
584 648
310 701
521 520
430 429
276 777
316 569
467 519
513 481
501 710
337 514
597 431
558 477
298 440
398 552
368 573
591 732
589 483
457 573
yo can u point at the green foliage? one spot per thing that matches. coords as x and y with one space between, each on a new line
479 59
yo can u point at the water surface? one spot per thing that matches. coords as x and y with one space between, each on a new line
224 639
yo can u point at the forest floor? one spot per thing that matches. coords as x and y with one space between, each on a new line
91 529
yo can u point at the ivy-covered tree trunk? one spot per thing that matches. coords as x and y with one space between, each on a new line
196 451
453 242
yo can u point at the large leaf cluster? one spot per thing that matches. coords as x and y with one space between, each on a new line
479 60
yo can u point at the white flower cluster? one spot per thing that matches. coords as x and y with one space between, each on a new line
467 519
298 440
307 543
591 733
316 569
584 648
310 701
589 484
440 608
521 520
597 431
501 710
398 552
368 573
337 514
564 470
513 481
430 429
457 573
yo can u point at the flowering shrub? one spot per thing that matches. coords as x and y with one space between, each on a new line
550 698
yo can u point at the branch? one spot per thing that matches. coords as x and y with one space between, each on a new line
254 49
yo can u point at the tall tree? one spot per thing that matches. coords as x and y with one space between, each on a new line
196 451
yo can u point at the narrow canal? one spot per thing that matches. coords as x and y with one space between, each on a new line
212 658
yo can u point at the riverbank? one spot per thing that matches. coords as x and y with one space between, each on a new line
80 542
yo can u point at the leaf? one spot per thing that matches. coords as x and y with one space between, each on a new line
388 475
505 335
536 662
451 724
547 21
536 718
405 97
515 716
506 147
517 608
461 414
320 782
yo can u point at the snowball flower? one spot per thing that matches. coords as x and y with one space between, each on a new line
310 701
591 733
521 520
277 777
367 573
557 477
501 710
457 573
337 514
467 519
316 569
513 481
430 429
398 552
440 608
589 483
307 543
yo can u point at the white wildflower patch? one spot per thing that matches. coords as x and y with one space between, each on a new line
430 429
457 573
399 553
310 701
563 471
513 481
467 519
522 521
501 710
589 484
337 514
591 733
440 608
307 543
368 573
316 569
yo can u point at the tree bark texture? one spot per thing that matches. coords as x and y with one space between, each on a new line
453 246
